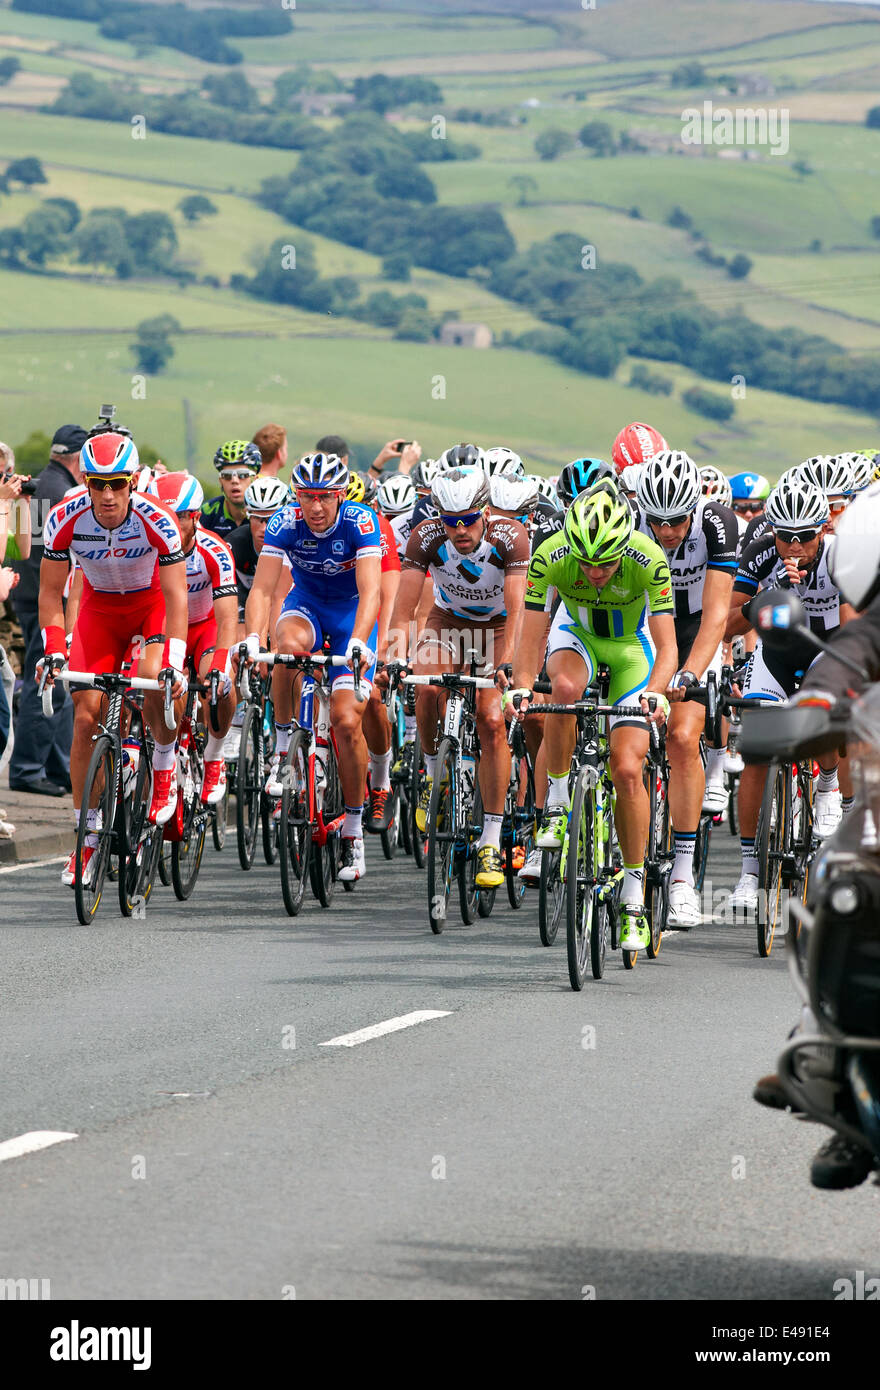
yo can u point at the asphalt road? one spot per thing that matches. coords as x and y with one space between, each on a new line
528 1142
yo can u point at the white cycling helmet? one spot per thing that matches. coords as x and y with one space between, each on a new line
831 473
461 456
460 490
265 495
504 461
424 474
518 495
546 489
716 485
854 564
629 477
862 471
320 472
669 484
796 505
396 495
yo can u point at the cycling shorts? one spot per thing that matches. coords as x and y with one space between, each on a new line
112 628
331 623
449 639
630 660
201 639
771 677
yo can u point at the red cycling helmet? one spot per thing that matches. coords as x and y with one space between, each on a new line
636 443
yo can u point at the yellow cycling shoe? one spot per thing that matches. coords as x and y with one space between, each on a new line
490 870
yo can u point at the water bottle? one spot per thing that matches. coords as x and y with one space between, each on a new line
131 754
468 779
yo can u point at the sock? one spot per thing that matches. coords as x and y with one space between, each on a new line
715 759
749 857
282 738
491 831
683 868
827 780
431 764
76 815
352 828
558 795
214 748
163 756
409 728
847 803
633 890
380 771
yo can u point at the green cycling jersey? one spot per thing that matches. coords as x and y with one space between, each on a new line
641 585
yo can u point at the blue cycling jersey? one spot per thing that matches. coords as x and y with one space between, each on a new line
324 566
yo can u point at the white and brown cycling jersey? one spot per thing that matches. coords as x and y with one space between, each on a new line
470 587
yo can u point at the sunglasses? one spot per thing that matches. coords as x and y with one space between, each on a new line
460 519
237 475
668 520
114 484
748 506
598 564
319 495
792 537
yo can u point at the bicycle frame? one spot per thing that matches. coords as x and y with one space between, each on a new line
320 736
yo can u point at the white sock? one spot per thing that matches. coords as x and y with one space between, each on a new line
491 832
380 771
76 815
431 764
715 759
214 748
282 738
558 797
827 780
352 825
683 868
633 890
93 818
163 756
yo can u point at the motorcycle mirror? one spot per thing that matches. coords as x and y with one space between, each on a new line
778 617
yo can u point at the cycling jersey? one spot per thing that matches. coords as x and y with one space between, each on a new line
546 523
217 517
244 553
710 544
754 530
325 564
390 549
641 585
761 565
424 510
401 528
470 587
210 574
119 561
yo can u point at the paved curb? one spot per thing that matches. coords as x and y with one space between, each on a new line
24 847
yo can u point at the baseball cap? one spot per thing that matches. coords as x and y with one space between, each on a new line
69 439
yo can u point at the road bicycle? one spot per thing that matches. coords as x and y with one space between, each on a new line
254 810
187 829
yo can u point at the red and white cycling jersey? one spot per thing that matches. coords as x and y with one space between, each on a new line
210 574
121 561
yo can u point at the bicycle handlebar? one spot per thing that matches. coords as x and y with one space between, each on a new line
96 679
448 681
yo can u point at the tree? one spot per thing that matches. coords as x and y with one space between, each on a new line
739 266
802 167
679 218
27 171
151 239
406 181
44 234
690 74
8 68
550 144
397 266
415 326
100 240
708 403
68 209
872 120
32 455
153 349
231 90
597 136
524 184
196 205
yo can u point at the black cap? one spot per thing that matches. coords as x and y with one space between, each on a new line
69 439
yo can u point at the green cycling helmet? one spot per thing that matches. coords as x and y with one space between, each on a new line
238 451
598 524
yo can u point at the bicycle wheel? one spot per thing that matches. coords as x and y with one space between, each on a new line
551 895
186 853
771 843
440 855
803 841
580 877
471 898
220 815
657 863
403 782
520 841
324 859
391 836
295 823
143 850
270 829
417 780
733 804
165 863
248 791
99 788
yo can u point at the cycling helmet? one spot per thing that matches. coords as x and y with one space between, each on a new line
636 444
180 492
796 504
320 472
109 455
862 471
461 456
371 490
628 478
502 460
460 490
598 524
355 490
749 487
396 495
265 495
854 563
424 474
716 485
238 451
519 495
143 478
831 473
669 484
546 489
579 475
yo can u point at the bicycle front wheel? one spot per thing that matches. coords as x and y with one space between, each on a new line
186 853
248 789
442 830
519 834
324 860
295 824
657 863
99 794
551 895
771 844
417 781
580 877
139 863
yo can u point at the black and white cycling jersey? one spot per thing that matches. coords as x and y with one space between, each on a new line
710 544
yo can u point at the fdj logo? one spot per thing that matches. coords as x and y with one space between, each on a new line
338 547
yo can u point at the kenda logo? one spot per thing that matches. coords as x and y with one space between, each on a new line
12 1289
75 1343
719 125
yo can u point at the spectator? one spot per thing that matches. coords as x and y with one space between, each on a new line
40 760
271 441
405 453
15 537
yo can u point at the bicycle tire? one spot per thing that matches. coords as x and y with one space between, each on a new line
657 878
440 855
165 864
220 817
772 838
404 789
733 806
551 895
186 853
391 836
143 844
701 851
295 824
419 837
804 848
522 835
469 895
269 829
100 774
249 793
580 877
324 861
598 936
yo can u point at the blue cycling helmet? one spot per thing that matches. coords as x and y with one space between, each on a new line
319 472
749 487
579 475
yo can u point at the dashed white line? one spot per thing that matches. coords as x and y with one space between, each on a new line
29 1143
390 1025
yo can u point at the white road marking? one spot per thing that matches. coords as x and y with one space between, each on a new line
391 1025
35 864
29 1143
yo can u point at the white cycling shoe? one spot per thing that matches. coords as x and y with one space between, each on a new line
530 873
552 832
744 897
733 763
827 814
274 785
715 799
684 907
354 865
232 743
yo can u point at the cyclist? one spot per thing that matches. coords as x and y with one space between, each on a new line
832 474
263 497
213 613
629 481
716 485
699 538
749 492
862 472
477 564
129 549
396 500
334 548
635 444
796 555
237 462
616 608
501 461
546 489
